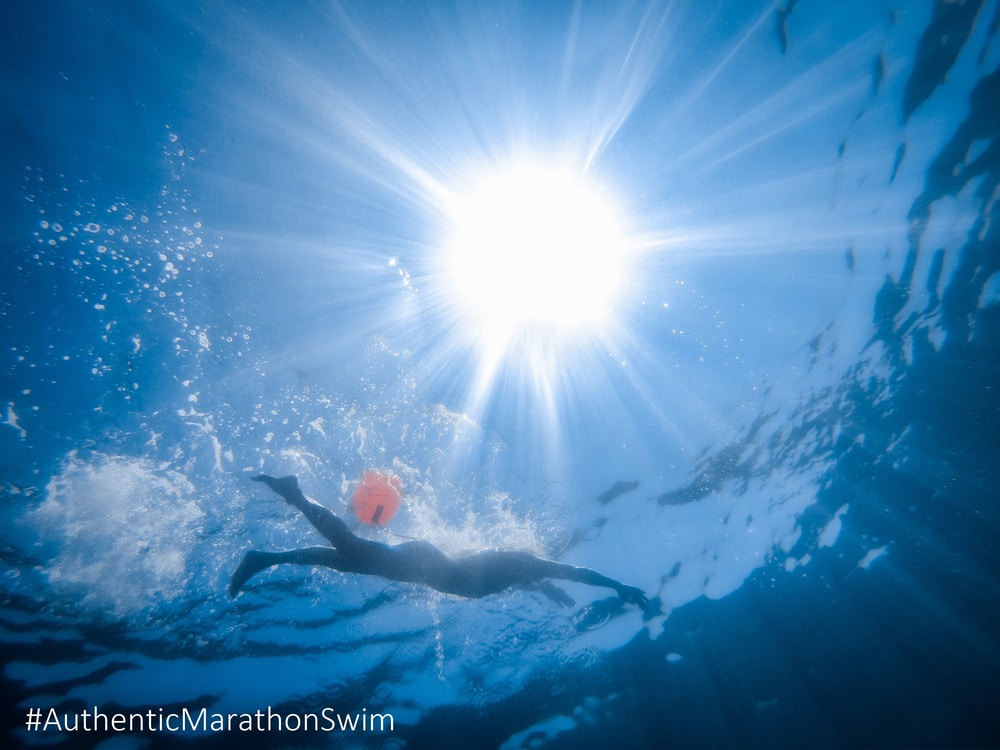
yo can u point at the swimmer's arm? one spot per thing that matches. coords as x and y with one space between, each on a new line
553 592
629 594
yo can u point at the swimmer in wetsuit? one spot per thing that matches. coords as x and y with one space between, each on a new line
474 576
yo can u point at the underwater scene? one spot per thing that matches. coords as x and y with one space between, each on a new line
500 374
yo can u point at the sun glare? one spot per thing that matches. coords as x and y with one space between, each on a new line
535 245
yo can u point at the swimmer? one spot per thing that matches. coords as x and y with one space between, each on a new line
474 576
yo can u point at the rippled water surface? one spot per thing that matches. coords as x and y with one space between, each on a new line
729 333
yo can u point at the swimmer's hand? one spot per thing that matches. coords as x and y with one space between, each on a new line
633 595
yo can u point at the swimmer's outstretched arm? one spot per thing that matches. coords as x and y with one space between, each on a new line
553 592
630 594
325 522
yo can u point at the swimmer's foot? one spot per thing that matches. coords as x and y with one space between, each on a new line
253 562
287 487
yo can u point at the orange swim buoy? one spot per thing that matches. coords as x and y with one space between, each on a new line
377 497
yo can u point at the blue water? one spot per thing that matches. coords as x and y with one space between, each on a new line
222 230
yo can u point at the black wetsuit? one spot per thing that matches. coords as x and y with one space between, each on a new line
475 575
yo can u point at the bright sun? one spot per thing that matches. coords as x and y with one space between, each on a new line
535 245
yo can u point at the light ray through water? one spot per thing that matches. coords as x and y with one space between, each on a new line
403 152
760 389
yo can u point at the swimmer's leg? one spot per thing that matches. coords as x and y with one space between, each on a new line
324 521
255 561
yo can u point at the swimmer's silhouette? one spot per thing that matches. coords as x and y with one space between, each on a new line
475 575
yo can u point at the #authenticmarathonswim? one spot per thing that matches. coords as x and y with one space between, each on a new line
185 720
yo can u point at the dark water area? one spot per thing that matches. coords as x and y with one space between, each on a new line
223 256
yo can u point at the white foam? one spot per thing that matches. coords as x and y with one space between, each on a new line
11 421
865 562
991 292
122 530
828 537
